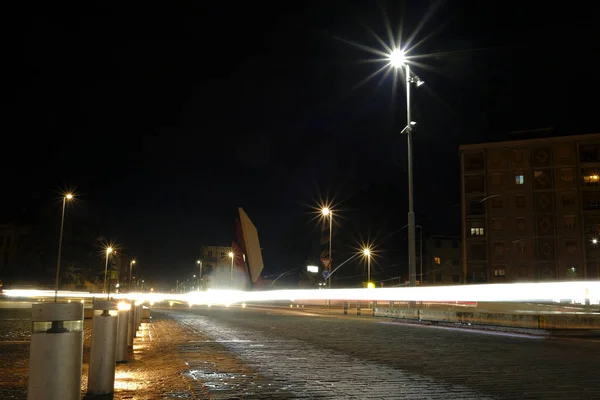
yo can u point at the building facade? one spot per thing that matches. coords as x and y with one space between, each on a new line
531 209
442 260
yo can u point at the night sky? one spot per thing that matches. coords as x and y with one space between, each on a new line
166 119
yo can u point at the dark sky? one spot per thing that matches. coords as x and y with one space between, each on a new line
166 119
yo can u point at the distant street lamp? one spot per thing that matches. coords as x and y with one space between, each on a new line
68 196
231 255
397 59
199 262
367 253
328 213
109 250
130 268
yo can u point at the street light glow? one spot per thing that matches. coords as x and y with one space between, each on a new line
133 261
595 241
109 250
367 252
397 58
69 196
231 254
325 211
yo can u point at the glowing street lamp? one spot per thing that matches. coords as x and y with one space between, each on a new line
397 59
328 213
232 256
109 250
130 268
66 197
199 262
367 253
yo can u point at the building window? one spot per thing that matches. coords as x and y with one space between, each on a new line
569 221
563 151
455 278
519 179
223 255
478 251
497 180
210 255
568 199
476 207
518 155
438 277
476 228
590 153
474 161
538 174
591 179
474 184
499 247
437 260
571 246
567 174
455 261
498 224
572 271
520 200
455 244
523 271
521 224
522 247
500 272
497 201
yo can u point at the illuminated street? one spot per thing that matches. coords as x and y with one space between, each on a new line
280 353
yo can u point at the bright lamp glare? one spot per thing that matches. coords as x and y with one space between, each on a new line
367 252
325 211
397 58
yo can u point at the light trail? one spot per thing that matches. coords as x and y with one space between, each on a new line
508 292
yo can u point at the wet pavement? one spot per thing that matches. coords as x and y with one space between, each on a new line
259 353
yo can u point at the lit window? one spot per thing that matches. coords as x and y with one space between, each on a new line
571 246
437 260
500 271
521 224
519 180
572 272
591 178
476 228
569 221
538 174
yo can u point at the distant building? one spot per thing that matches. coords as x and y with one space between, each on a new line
215 258
531 209
442 260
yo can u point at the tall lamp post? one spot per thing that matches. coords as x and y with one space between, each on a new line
68 196
130 269
199 262
397 59
231 255
367 253
108 251
328 213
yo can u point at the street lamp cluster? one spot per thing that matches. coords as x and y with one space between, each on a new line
108 251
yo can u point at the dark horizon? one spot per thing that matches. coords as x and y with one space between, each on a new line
165 122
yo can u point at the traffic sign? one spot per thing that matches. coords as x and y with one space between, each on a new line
325 274
326 262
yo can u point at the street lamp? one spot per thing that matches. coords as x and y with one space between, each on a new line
328 213
231 255
66 197
108 251
397 59
367 253
130 268
199 262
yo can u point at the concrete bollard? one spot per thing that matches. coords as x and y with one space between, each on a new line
130 326
101 375
122 331
56 351
139 312
345 308
358 308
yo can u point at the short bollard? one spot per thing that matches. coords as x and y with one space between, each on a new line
56 351
130 327
138 314
122 331
101 375
345 308
358 308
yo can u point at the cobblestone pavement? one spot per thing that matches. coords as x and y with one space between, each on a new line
256 353
322 356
